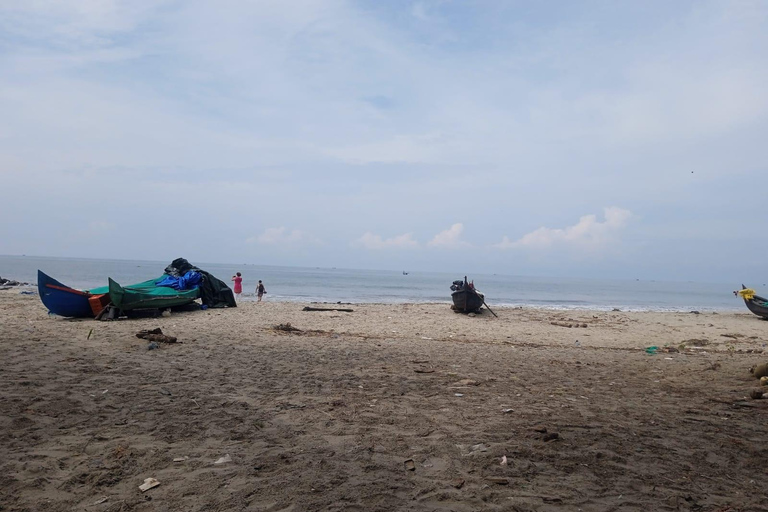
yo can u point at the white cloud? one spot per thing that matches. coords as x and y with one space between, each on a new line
588 233
371 241
450 238
281 236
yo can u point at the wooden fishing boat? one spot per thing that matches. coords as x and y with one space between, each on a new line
465 297
148 295
756 304
64 300
181 284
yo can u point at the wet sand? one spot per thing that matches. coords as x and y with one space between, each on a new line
389 407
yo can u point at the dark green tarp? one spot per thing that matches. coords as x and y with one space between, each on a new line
213 292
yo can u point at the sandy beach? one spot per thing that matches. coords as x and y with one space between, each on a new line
387 407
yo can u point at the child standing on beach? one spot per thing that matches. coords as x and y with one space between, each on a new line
238 285
260 290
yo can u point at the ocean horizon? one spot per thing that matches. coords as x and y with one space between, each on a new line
318 284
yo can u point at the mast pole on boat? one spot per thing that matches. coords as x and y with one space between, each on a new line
466 292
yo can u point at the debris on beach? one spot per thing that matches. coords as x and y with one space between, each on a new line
287 327
12 282
345 310
478 448
759 371
410 465
694 342
465 382
223 460
155 335
568 324
148 484
756 394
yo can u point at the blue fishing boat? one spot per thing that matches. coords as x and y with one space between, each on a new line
63 300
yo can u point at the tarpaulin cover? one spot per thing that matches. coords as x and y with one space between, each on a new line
148 295
213 292
188 281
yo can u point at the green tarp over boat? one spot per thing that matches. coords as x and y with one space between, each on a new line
213 292
148 295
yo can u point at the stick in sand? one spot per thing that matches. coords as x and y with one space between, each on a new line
489 309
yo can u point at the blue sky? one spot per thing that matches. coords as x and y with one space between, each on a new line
596 138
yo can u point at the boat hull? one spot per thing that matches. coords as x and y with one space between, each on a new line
63 300
755 305
467 300
147 295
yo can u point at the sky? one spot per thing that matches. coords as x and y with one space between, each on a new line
544 138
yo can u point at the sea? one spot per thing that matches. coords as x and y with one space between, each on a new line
339 285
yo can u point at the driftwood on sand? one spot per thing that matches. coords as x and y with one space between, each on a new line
346 310
156 335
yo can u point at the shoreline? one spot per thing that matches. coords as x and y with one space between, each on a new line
251 298
318 285
595 308
717 330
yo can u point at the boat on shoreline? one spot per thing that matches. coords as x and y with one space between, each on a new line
465 297
180 285
64 300
756 304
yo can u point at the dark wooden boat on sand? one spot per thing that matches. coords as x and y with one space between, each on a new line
756 304
465 298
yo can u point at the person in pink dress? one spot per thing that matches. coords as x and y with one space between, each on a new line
238 285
